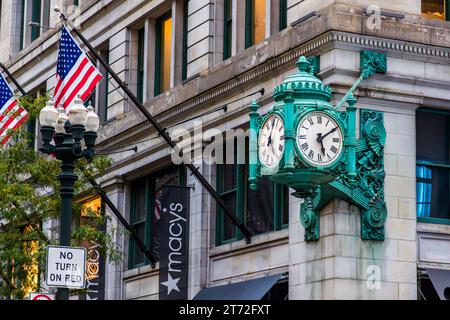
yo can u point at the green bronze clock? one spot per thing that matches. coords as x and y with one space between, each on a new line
310 145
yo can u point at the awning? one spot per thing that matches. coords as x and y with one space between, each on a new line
441 282
254 289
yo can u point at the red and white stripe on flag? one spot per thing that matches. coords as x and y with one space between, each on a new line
75 74
12 115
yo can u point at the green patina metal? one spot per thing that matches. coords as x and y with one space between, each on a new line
355 175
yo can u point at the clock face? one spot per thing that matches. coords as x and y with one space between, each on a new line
271 141
319 139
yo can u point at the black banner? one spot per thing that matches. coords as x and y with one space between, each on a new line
174 243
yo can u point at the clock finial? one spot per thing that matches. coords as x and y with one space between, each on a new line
303 64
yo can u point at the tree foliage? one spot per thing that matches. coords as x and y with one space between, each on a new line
30 205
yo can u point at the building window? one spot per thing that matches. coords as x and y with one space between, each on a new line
37 11
35 17
163 53
103 86
283 14
436 9
185 39
263 210
433 166
228 28
255 22
140 65
146 209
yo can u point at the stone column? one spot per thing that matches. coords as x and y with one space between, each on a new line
340 265
115 190
198 227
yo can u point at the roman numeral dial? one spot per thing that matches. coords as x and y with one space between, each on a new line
271 141
319 139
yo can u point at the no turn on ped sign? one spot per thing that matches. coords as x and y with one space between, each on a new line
66 267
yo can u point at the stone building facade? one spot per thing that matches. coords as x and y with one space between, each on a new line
184 59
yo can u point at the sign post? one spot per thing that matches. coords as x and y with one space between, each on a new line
66 267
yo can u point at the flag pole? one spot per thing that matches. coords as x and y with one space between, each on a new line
163 133
103 195
18 86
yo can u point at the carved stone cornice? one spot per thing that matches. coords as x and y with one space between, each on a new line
279 64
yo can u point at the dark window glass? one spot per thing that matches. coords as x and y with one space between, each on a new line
433 136
260 207
283 14
228 29
139 255
140 66
35 17
229 228
140 194
427 290
433 165
279 292
262 210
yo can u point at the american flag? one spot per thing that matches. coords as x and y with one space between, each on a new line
12 115
75 74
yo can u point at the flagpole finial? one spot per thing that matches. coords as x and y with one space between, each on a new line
57 9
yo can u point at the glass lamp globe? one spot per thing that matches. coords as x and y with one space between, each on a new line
61 120
48 115
93 121
78 113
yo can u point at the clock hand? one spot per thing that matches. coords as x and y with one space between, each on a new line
269 142
320 138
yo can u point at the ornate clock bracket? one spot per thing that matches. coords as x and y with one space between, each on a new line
309 215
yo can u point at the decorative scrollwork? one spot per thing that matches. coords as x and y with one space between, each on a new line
309 216
372 62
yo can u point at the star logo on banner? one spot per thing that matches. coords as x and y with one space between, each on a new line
164 210
171 284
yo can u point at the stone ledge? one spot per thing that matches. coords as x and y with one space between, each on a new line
261 241
140 272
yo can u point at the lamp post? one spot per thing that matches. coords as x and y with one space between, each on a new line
67 133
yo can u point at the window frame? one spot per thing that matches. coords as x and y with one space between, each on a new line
432 164
149 203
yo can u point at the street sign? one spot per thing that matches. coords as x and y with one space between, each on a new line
66 267
41 296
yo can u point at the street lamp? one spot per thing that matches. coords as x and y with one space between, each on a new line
67 133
